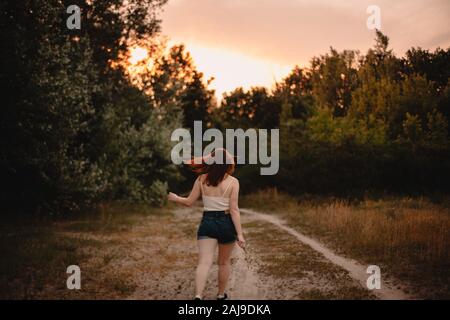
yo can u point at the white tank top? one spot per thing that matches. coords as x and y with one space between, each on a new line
214 203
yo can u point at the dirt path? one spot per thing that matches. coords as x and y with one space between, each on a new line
154 256
356 270
244 282
279 263
256 275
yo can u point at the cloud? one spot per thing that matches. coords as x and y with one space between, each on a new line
290 32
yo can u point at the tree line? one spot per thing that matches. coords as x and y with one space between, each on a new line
353 124
75 130
78 128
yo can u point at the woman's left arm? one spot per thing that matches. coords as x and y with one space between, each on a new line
187 201
236 214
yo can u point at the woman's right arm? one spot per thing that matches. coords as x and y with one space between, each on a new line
235 213
187 201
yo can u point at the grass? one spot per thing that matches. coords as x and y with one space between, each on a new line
409 238
36 253
143 252
32 261
111 218
301 272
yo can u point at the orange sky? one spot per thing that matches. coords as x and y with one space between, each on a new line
254 42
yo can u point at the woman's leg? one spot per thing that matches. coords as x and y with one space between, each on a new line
206 249
225 251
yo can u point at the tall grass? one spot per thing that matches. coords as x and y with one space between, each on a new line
410 236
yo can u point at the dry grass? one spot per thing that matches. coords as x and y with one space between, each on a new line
111 247
409 238
293 271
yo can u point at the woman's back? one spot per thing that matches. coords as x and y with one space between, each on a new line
221 223
216 198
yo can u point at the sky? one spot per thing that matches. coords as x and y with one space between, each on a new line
256 42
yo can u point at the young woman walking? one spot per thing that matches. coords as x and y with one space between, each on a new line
221 224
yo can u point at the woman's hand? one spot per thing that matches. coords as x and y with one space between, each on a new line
241 241
172 196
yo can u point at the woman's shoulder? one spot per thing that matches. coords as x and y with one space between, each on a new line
233 179
200 179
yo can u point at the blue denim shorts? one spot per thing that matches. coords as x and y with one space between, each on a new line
217 225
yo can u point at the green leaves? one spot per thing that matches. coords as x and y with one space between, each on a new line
74 131
376 124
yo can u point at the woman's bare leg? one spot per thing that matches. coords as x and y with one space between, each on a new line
225 251
206 249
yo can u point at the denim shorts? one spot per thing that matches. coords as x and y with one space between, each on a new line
217 225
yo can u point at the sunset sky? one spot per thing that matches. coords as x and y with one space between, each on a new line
255 42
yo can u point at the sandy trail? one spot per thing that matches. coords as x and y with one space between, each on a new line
356 270
244 281
156 259
155 256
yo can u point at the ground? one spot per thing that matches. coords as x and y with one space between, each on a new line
152 255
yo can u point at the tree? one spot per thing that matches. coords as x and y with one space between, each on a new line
380 62
390 101
435 66
334 76
170 78
45 123
391 134
254 108
72 125
296 91
437 126
412 129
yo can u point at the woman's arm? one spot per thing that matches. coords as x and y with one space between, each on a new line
235 213
187 201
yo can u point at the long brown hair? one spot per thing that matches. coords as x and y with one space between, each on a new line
215 172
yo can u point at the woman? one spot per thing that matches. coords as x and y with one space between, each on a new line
221 223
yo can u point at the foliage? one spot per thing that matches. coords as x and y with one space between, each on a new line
74 130
254 108
79 125
352 124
